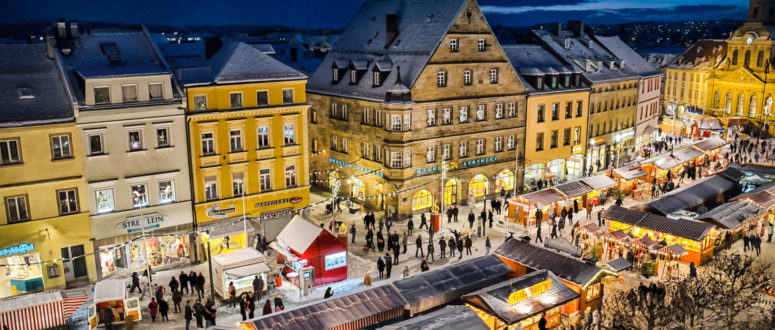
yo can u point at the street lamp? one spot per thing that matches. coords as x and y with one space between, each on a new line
442 185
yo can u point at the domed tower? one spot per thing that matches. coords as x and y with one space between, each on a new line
762 11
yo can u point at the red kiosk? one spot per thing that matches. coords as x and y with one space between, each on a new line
304 248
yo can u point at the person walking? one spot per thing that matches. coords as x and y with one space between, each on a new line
423 221
418 243
487 245
173 284
188 313
404 242
430 251
589 211
193 282
469 244
153 308
243 307
258 287
232 295
183 282
381 224
410 226
479 227
575 206
267 308
538 235
177 298
201 285
135 283
396 251
388 224
108 317
164 309
471 220
769 233
199 311
381 267
278 303
539 216
159 293
388 265
600 220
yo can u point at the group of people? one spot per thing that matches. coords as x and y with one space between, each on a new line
159 305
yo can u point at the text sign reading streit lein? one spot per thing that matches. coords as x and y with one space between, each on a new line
137 223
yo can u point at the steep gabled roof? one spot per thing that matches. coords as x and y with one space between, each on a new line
632 60
299 234
239 62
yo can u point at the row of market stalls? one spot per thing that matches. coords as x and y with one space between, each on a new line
512 287
522 209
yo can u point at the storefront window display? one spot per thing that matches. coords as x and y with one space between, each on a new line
108 262
358 188
166 191
139 197
24 273
421 200
450 192
504 181
158 251
534 173
555 169
575 167
477 187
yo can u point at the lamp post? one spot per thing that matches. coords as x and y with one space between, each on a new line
444 170
244 218
145 247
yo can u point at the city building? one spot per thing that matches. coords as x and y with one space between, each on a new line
45 220
131 124
557 112
413 87
613 96
247 127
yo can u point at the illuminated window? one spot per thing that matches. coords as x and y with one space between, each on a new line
593 291
422 199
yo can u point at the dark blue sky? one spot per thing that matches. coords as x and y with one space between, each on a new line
337 13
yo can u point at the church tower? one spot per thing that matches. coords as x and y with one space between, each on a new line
762 11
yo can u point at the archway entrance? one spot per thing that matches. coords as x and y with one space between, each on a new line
421 200
504 181
477 187
450 192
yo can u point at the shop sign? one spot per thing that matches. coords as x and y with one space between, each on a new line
217 212
336 260
18 249
292 200
480 162
597 142
626 135
343 230
138 223
577 149
533 290
276 212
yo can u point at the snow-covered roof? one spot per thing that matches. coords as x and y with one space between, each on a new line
240 62
422 24
632 60
299 234
449 317
239 258
264 48
109 290
28 300
248 270
31 88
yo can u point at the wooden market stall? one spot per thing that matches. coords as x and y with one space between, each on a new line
697 238
733 216
598 184
673 162
708 191
628 178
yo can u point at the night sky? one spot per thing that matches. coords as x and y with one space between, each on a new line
337 13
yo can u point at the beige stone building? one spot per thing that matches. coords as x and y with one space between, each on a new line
410 86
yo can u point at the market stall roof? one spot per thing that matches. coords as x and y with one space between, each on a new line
239 258
737 121
619 265
709 144
764 196
693 230
674 249
428 290
630 172
248 270
749 170
226 227
449 317
337 311
28 300
732 173
496 299
562 245
544 197
593 229
690 196
573 189
299 234
647 242
680 156
566 267
600 181
619 235
649 129
109 290
731 215
711 124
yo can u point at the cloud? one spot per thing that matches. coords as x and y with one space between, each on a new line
580 6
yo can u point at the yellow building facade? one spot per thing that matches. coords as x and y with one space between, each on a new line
248 139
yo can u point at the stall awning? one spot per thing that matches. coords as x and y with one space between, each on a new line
592 229
649 129
562 245
573 189
226 227
630 172
248 270
678 157
600 181
674 250
647 242
711 124
708 189
620 236
619 265
239 258
544 197
709 144
693 230
737 121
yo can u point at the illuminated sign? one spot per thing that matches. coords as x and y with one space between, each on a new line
336 260
17 249
577 149
292 200
138 223
533 290
343 230
217 212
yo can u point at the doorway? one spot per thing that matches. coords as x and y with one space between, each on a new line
74 267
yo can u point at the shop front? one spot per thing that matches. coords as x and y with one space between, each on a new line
357 188
130 241
422 200
575 165
478 185
504 181
534 173
597 154
555 170
451 189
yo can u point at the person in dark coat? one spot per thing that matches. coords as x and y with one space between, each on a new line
107 317
267 307
746 241
183 282
278 303
188 314
452 247
177 298
243 307
431 250
410 226
538 235
542 322
423 221
554 230
418 243
469 244
575 206
442 247
380 267
173 284
135 283
328 294
489 217
692 270
396 252
199 311
258 287
353 231
460 245
164 308
424 266
159 293
389 264
539 216
380 241
193 282
471 219
200 285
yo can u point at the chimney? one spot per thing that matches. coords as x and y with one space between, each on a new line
50 45
556 28
74 29
577 27
391 28
61 28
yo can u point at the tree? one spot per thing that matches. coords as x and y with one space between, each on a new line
628 310
735 281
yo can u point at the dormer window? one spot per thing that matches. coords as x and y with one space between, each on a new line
554 81
353 76
567 43
566 82
335 75
377 81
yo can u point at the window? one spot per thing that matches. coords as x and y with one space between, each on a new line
747 58
480 112
263 137
104 199
211 188
510 142
568 107
344 145
129 93
135 140
446 116
407 121
395 121
334 143
378 153
467 77
155 91
289 134
366 117
463 116
101 95
365 152
200 102
335 75
539 141
482 45
555 111
238 183
453 45
579 105
446 153
493 76
166 191
512 109
377 80
95 144
17 209
262 98
139 197
593 291
441 79
60 145
498 144
566 137
353 76
290 176
431 117
480 146
236 100
577 135
208 143
734 58
760 58
462 149
378 118
265 179
395 159
313 116
235 140
407 158
540 113
430 154
162 137
498 110
288 96
314 145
